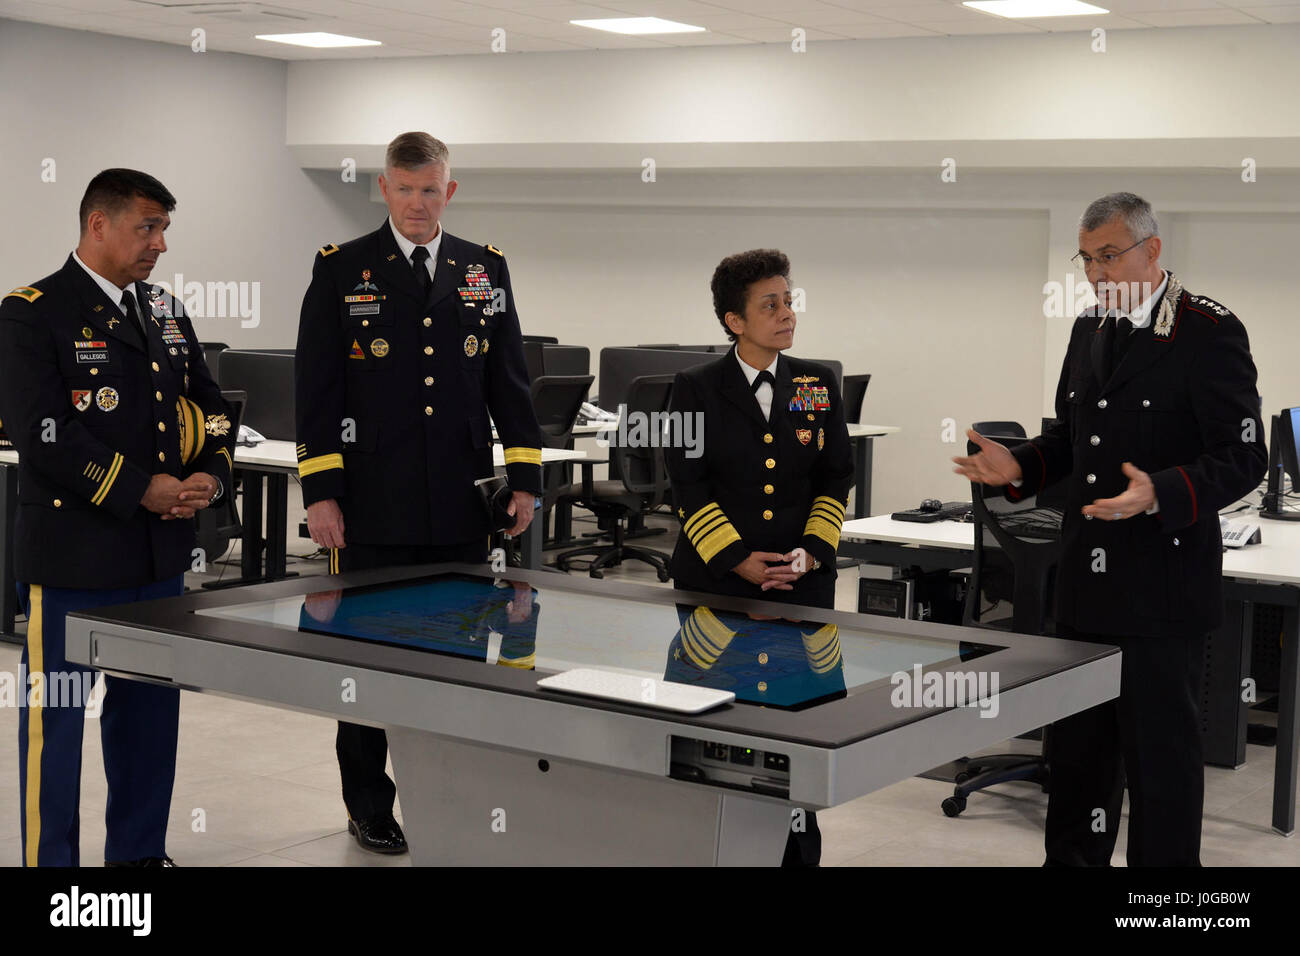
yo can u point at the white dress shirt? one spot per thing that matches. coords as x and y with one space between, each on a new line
408 247
1141 316
764 393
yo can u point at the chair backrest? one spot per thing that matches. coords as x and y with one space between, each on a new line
855 390
557 399
534 360
641 464
267 378
540 338
212 356
1005 566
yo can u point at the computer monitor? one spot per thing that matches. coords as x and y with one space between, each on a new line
618 366
267 377
1283 462
566 359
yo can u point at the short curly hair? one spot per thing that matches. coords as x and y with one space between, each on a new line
735 274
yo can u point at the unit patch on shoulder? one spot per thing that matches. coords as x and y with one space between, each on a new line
329 250
26 292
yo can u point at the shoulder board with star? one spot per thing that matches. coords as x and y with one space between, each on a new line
1207 306
494 250
329 250
25 292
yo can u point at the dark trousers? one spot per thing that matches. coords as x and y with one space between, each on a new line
137 728
363 751
1150 738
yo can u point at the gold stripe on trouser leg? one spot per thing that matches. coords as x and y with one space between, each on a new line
35 727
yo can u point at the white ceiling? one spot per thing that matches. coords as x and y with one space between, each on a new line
443 27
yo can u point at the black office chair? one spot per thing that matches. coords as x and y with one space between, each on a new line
547 339
215 528
556 402
642 488
1006 570
534 360
855 390
212 357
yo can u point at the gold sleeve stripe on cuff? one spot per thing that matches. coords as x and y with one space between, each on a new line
693 521
230 462
821 528
824 515
320 463
716 541
706 528
833 503
523 456
523 663
107 483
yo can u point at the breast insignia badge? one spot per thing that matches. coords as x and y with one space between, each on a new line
821 438
356 352
106 398
804 435
471 346
379 348
81 399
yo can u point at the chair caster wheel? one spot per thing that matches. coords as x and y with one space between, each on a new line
597 574
953 806
663 576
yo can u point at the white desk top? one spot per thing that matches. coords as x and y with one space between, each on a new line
872 431
1276 558
281 455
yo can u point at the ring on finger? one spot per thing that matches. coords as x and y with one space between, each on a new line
1117 515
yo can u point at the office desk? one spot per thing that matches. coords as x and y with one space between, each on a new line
862 438
265 469
492 769
1268 573
272 463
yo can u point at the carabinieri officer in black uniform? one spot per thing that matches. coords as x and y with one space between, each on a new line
1157 428
761 508
408 339
122 436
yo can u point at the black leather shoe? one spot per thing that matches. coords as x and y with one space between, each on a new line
378 834
145 861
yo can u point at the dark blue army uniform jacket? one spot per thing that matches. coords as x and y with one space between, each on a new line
94 413
760 485
393 390
1182 406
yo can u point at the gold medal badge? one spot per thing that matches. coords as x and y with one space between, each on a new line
804 435
471 345
821 438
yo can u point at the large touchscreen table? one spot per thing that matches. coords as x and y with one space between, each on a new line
492 768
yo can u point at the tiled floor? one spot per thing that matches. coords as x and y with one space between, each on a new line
257 786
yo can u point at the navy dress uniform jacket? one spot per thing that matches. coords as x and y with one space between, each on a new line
394 390
94 413
760 485
1182 406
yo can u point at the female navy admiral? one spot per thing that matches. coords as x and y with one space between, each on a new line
762 505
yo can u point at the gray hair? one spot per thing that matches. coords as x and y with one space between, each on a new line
1133 210
414 151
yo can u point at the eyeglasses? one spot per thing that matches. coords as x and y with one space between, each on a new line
1106 259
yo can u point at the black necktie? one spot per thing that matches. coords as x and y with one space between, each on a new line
418 259
760 378
1119 345
128 309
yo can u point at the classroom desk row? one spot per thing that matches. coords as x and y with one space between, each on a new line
1265 573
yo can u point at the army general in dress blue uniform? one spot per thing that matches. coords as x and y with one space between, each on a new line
408 339
122 436
761 509
1157 428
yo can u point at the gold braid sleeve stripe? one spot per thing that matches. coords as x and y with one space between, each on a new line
717 541
523 456
692 523
107 483
319 463
822 649
705 637
229 461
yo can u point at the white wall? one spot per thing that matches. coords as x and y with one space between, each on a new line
210 126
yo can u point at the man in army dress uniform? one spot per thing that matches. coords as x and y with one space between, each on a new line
762 507
1157 428
408 339
122 436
